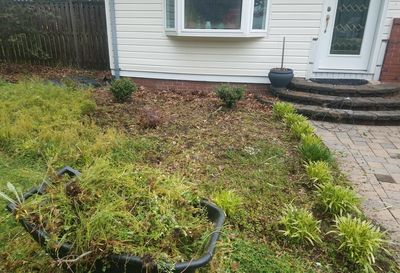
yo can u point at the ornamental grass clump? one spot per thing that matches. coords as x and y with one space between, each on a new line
290 119
300 225
312 149
230 94
300 129
122 89
117 210
319 172
359 241
338 200
281 109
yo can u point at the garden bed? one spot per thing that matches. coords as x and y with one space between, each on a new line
243 159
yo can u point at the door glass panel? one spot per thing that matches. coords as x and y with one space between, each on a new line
348 33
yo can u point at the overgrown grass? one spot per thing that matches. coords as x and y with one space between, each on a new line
243 152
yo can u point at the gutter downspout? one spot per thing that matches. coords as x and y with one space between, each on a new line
113 39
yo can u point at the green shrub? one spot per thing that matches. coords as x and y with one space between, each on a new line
229 94
293 118
298 129
281 109
122 89
300 225
319 172
338 200
312 149
229 201
359 240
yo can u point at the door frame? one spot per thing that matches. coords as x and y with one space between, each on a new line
376 50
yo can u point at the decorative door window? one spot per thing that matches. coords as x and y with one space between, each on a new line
349 29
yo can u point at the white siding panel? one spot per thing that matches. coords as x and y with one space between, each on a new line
144 47
393 12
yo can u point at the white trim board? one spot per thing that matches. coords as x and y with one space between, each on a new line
192 77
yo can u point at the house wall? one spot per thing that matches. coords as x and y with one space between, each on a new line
391 65
145 51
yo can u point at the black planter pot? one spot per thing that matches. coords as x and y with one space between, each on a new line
280 78
124 263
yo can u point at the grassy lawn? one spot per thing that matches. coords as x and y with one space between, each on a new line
217 153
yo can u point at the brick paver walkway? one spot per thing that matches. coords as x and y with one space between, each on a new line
370 156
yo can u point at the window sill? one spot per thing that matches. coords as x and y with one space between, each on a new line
221 34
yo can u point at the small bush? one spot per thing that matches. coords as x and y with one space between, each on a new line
122 89
299 129
319 172
360 241
338 200
300 225
281 109
229 94
290 119
150 118
312 149
229 201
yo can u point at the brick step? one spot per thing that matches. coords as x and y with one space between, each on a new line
351 103
349 116
367 90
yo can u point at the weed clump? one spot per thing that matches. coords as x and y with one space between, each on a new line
338 200
122 89
360 240
229 94
117 209
300 225
229 201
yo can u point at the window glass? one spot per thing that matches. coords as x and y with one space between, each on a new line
260 14
213 14
348 34
170 14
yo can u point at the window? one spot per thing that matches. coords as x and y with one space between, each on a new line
260 14
170 14
216 18
213 14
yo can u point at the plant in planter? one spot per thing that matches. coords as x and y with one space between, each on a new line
113 219
281 77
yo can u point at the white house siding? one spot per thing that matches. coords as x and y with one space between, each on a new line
144 50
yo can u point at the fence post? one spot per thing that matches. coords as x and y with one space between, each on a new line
74 32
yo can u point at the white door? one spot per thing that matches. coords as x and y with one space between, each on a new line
348 34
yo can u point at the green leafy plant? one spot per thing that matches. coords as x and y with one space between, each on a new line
300 225
298 129
360 240
292 118
229 201
122 89
338 200
319 171
312 149
281 109
229 94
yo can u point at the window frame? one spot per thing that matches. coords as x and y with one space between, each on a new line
246 28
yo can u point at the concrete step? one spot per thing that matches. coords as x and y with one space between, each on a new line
349 116
328 101
368 90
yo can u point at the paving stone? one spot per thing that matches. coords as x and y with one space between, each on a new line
372 163
385 178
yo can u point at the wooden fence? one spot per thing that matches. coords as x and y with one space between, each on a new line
72 33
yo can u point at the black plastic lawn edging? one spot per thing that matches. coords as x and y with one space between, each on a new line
122 263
